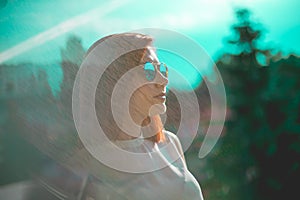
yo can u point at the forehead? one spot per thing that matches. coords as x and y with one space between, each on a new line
150 54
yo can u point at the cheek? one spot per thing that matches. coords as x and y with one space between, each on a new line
140 96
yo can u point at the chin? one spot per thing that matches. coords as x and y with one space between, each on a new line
157 109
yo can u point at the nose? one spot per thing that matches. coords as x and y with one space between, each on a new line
160 79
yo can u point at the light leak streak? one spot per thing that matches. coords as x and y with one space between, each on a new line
60 29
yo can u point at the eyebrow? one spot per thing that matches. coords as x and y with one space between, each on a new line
154 62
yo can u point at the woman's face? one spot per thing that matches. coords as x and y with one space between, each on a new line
149 99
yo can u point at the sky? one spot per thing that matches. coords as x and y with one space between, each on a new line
35 31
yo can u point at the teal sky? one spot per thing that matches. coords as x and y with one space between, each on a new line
34 31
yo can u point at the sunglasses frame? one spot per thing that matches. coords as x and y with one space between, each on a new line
157 67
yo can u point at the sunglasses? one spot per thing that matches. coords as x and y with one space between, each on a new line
150 70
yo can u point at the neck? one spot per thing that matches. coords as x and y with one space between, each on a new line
151 130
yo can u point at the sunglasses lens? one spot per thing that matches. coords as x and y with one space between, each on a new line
149 70
163 69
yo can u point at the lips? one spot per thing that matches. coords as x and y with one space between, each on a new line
161 95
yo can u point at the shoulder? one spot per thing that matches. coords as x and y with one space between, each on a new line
171 136
175 140
169 133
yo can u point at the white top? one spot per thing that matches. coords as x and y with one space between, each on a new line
169 183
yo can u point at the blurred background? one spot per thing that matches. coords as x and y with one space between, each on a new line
254 43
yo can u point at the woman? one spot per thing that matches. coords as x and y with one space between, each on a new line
137 127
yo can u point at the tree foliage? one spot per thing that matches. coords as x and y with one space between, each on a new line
258 155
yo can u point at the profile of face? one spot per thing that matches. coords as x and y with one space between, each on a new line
132 90
149 99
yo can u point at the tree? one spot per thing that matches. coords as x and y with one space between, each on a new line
264 125
245 80
72 56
